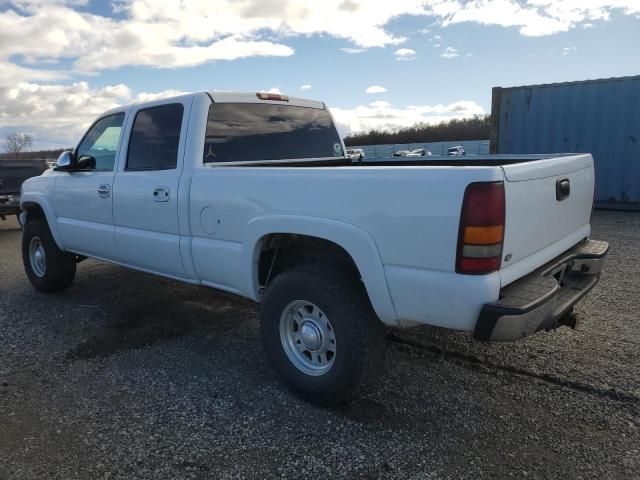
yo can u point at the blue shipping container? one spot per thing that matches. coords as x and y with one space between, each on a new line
601 117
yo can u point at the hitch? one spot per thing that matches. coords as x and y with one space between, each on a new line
570 319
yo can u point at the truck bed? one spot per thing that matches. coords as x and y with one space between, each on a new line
460 161
430 161
14 172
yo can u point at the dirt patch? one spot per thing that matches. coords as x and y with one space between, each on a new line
153 318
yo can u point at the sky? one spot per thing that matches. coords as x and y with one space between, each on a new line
376 63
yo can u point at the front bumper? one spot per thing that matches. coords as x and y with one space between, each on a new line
543 299
9 204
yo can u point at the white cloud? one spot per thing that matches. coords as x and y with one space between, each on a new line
382 115
149 97
173 33
405 54
376 89
450 52
353 50
531 17
380 104
305 87
568 50
274 90
57 115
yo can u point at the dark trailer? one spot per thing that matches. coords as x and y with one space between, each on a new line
12 174
601 117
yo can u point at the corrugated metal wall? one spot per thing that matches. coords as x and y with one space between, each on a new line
601 117
471 147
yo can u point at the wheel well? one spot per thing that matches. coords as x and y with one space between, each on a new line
282 251
33 211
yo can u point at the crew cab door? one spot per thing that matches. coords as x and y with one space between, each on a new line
83 198
145 192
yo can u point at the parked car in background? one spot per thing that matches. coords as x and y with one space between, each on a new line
355 154
419 152
401 153
12 174
208 189
456 151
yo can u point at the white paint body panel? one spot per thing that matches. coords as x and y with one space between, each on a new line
147 231
538 227
398 223
83 217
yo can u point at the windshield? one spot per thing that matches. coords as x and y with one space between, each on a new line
453 149
244 132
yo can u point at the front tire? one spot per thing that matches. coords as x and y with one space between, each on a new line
321 334
48 268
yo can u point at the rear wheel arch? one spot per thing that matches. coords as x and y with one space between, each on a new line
328 242
279 252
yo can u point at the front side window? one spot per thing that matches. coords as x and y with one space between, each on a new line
155 138
102 140
245 132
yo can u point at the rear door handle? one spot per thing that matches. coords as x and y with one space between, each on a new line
104 191
161 194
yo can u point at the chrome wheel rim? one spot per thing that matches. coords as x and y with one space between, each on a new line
307 337
37 257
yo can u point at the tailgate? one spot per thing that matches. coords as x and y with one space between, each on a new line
14 172
548 209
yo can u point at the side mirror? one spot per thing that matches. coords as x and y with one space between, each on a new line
86 162
65 161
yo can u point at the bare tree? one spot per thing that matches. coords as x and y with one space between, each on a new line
17 142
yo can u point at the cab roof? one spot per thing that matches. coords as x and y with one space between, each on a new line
230 97
252 97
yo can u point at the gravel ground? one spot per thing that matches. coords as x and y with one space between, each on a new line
128 376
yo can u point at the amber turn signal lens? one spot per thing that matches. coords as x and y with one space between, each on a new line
483 235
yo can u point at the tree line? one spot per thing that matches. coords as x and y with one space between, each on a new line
16 146
477 127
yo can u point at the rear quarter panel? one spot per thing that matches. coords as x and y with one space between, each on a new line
411 214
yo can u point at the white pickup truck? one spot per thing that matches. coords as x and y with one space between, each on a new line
253 194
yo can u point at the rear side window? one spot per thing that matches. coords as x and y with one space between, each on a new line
155 137
245 132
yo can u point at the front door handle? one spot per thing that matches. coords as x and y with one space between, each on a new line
104 191
161 194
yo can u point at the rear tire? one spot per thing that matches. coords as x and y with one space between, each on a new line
321 334
48 268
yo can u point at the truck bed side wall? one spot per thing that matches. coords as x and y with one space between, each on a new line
408 218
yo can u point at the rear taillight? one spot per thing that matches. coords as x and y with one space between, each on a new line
481 228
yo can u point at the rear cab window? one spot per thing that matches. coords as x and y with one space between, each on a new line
155 138
257 132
